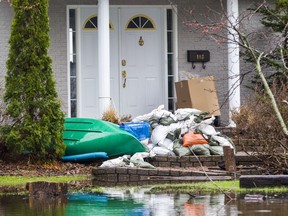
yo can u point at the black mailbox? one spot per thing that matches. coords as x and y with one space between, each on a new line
198 56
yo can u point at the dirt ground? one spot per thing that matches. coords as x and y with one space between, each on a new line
55 169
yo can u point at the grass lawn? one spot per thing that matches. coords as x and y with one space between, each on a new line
213 187
22 180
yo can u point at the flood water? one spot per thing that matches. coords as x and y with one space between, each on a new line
138 203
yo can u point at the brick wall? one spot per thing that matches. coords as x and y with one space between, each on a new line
6 14
170 170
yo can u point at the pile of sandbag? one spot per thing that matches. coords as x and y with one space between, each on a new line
186 132
136 160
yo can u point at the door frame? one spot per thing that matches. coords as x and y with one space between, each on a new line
164 44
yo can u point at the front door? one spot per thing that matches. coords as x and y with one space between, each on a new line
142 68
136 62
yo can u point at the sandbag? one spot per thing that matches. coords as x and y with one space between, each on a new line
216 150
180 150
141 156
138 159
192 138
184 113
207 129
159 134
118 162
200 149
166 143
150 146
223 141
166 120
160 150
143 164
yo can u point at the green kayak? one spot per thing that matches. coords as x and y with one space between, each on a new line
84 135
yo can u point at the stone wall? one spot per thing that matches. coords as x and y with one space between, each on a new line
171 170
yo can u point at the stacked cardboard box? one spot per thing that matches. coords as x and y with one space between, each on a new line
199 93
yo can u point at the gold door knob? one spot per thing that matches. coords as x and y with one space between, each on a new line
124 77
123 62
124 74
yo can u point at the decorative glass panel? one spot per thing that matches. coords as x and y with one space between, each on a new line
170 39
140 22
170 87
169 19
72 23
170 55
73 69
73 108
171 105
170 65
73 56
73 92
92 23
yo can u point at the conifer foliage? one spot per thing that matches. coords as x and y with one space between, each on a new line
36 120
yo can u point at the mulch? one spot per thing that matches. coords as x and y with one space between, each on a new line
50 169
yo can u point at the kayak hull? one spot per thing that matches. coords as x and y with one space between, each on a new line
83 135
85 157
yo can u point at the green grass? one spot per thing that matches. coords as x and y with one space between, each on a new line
199 187
210 187
22 180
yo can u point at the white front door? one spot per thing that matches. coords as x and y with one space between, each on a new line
142 88
137 61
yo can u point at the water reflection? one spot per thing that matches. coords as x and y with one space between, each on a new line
23 205
139 202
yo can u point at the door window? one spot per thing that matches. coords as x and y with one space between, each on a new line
140 22
92 23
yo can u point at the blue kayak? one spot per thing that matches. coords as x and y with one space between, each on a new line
85 157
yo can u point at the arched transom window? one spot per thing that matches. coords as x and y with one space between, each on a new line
91 23
140 22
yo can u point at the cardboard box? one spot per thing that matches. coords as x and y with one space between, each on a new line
199 93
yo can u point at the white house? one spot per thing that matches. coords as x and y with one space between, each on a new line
130 53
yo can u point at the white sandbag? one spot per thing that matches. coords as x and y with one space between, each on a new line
207 129
187 125
208 121
118 162
163 114
159 134
148 116
183 113
141 155
150 146
145 142
160 150
167 143
222 141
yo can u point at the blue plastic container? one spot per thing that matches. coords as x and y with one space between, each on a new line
141 130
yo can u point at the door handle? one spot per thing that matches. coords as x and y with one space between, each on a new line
124 77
